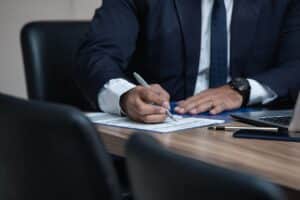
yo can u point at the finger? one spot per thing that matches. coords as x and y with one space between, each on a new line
218 109
186 105
162 92
209 93
188 101
147 95
202 107
185 109
153 118
193 103
144 108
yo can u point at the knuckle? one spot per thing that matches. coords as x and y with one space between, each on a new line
215 97
143 91
216 102
190 106
156 110
156 85
167 96
149 96
160 101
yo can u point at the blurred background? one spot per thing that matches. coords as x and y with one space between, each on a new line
14 14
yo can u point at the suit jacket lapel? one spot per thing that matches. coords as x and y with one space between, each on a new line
189 14
243 27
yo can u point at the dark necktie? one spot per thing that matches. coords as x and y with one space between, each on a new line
218 66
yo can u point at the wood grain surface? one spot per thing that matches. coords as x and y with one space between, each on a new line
276 161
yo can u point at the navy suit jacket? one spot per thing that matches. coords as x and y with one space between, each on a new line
160 39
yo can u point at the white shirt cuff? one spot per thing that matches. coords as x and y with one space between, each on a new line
260 93
109 96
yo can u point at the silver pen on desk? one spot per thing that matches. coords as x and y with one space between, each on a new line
142 82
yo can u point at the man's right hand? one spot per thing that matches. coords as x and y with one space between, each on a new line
147 105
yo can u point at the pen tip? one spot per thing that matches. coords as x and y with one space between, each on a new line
173 118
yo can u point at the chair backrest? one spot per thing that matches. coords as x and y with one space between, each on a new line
159 174
48 49
51 152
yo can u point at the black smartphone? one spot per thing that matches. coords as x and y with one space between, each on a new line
266 135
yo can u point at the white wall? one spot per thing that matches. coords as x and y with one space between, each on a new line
13 15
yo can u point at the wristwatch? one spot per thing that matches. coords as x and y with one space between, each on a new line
242 86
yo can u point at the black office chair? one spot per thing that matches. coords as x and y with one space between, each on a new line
48 48
51 152
159 174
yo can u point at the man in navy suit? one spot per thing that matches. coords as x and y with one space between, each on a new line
209 55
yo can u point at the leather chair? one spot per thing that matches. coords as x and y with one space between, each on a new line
48 49
159 174
52 152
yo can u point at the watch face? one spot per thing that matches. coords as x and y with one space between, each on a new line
241 84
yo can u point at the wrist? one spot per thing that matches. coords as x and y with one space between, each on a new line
123 99
122 103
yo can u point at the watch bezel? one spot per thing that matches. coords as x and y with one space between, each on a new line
242 86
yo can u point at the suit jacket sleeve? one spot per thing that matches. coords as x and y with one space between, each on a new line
284 78
106 49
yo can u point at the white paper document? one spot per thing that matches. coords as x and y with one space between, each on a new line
167 126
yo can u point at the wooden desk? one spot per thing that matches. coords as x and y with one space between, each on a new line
278 162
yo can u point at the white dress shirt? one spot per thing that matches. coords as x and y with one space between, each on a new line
109 96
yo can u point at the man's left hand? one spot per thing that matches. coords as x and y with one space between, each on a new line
214 100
